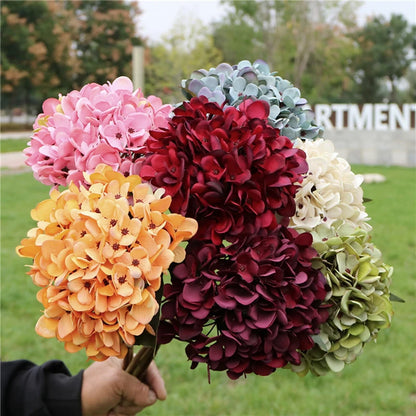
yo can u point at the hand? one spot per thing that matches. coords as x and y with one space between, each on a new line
107 390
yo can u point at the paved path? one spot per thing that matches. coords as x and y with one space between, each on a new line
16 135
12 160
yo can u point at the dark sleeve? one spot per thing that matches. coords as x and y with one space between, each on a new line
46 390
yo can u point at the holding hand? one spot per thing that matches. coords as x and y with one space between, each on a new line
107 390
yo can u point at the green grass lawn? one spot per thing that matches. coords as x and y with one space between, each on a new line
13 145
381 382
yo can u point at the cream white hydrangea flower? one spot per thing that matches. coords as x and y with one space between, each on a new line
330 191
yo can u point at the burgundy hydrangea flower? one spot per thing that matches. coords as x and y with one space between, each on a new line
227 168
249 307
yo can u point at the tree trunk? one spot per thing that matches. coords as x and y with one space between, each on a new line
393 94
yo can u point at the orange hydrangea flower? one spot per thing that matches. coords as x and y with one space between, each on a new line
98 255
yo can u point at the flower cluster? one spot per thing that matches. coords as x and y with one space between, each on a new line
249 307
99 124
227 168
247 278
231 85
329 205
359 297
330 191
279 272
98 255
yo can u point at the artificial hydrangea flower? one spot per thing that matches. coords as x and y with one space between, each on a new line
99 124
229 85
330 191
249 307
98 255
227 168
359 297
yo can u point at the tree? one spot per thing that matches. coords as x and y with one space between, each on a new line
104 38
36 55
305 41
408 95
328 76
183 50
237 33
51 47
387 49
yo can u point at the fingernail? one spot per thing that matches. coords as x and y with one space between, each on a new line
152 396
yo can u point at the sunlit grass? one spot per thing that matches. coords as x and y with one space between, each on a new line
380 383
13 145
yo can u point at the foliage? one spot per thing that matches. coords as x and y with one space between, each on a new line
179 52
33 62
10 127
305 40
387 49
392 212
51 47
235 34
329 77
104 39
409 95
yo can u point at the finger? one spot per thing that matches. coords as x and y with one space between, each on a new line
115 362
136 393
121 410
155 381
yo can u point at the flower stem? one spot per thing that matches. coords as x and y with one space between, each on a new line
137 366
128 357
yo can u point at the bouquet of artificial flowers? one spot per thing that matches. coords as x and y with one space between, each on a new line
279 270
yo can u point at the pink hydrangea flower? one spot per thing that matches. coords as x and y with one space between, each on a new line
107 123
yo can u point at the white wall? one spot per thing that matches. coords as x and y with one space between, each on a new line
371 134
372 147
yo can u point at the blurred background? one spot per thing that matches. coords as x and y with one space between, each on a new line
339 53
334 51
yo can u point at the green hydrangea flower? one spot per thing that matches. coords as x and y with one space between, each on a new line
359 297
